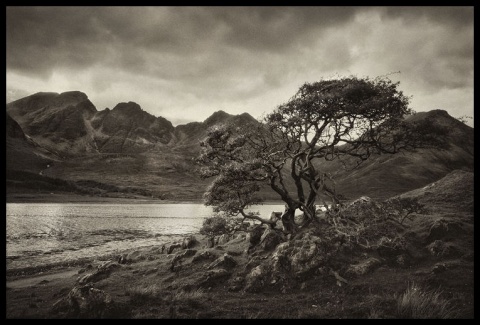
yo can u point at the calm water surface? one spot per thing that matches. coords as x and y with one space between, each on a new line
48 233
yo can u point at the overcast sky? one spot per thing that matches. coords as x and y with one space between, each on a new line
184 63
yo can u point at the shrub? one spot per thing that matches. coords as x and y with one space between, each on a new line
214 226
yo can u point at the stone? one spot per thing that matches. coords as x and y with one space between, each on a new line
206 255
172 247
189 242
223 239
103 271
255 280
363 267
270 239
210 242
224 261
214 277
84 301
255 235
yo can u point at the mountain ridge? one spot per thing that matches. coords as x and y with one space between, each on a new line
127 145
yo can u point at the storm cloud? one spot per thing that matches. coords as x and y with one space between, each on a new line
184 63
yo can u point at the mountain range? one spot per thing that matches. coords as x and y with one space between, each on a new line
62 143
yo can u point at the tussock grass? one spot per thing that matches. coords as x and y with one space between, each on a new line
181 295
155 292
150 291
417 303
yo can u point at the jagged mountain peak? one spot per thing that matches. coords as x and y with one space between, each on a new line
128 107
217 117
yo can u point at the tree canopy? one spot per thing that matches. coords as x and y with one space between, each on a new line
329 120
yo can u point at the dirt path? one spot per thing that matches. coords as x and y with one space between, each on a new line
41 279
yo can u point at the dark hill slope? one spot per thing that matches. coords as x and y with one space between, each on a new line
22 153
386 175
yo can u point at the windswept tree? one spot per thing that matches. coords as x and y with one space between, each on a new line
326 120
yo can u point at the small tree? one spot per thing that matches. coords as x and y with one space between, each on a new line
326 120
214 226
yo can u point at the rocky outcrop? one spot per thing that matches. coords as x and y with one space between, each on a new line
256 279
102 272
172 247
271 238
214 277
189 242
254 235
206 255
225 261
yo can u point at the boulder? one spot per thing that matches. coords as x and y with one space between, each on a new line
223 239
363 267
189 242
103 271
254 235
225 261
131 257
270 239
214 277
256 279
210 242
186 253
172 247
84 302
206 255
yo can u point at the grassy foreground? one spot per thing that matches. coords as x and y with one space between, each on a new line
147 287
426 272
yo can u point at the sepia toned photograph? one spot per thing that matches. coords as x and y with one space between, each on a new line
239 162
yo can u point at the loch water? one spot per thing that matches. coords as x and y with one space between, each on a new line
40 234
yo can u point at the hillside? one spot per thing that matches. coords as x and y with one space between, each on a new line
386 175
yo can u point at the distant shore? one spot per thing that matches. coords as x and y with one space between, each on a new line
73 198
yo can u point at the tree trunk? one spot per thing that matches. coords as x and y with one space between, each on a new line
288 221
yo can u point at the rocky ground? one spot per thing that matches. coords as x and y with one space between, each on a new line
420 269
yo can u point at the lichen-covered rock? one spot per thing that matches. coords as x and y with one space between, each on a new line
102 272
256 279
186 253
84 302
172 247
224 261
131 257
363 267
189 242
303 253
223 239
270 239
206 255
210 242
214 277
255 234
